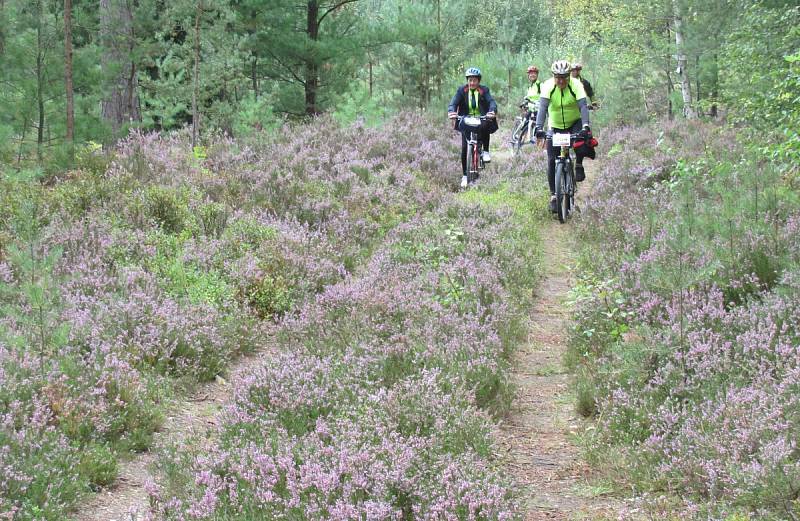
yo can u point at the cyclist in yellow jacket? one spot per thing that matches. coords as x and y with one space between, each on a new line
534 89
563 100
532 96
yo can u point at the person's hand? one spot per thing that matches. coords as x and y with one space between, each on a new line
490 115
586 131
539 133
452 115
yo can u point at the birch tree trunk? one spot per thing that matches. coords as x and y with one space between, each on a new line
121 104
686 86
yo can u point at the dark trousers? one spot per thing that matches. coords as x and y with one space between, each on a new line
552 153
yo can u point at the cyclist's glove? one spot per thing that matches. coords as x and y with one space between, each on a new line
585 132
539 133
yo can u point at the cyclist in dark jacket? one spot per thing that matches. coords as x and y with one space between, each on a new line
474 99
576 73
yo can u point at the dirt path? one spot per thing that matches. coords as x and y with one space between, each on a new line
194 417
535 438
537 435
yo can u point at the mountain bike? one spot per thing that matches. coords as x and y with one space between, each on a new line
523 128
474 146
565 174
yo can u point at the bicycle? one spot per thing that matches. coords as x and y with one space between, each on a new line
565 174
523 128
474 147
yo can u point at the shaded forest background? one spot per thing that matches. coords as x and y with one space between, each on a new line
79 71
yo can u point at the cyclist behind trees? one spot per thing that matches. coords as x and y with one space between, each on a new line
587 87
532 96
473 99
563 100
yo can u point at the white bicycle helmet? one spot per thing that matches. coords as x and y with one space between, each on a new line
472 71
560 67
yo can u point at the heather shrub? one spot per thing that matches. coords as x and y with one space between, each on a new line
99 464
39 463
173 261
379 402
686 342
212 218
167 208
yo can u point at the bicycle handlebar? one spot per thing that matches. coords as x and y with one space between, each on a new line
459 117
571 136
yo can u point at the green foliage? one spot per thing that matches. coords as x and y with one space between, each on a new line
213 219
255 115
270 295
166 207
40 297
98 464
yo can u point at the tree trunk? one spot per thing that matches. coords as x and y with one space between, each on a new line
2 29
68 73
438 48
312 72
714 87
697 81
426 79
510 79
254 73
39 82
670 83
686 86
121 104
196 79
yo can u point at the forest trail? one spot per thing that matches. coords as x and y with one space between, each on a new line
194 417
536 439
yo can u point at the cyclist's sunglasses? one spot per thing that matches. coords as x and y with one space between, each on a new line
561 76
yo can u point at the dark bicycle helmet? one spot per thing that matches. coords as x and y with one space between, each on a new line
472 71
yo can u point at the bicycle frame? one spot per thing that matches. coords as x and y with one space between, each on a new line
474 156
523 129
564 173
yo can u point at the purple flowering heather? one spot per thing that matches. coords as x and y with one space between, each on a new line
692 344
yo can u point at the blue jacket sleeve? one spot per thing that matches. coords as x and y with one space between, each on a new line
492 102
455 102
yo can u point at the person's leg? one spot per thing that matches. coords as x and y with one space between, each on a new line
463 153
483 137
580 175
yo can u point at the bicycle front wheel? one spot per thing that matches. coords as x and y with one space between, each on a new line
561 197
472 156
569 189
516 135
